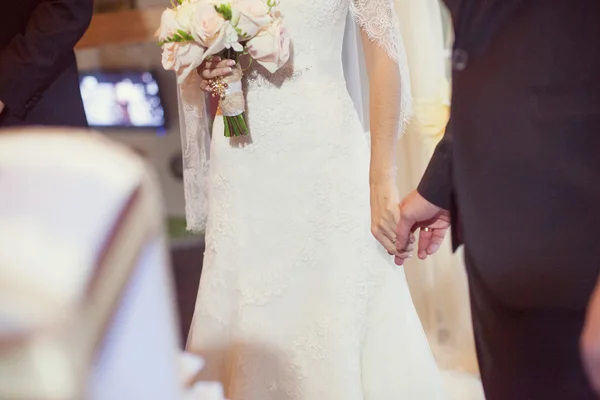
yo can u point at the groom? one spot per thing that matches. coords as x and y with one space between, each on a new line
39 83
519 173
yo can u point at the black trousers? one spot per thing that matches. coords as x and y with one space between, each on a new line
526 354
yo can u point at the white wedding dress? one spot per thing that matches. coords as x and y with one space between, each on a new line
297 300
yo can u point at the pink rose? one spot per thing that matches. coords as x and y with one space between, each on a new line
206 23
168 56
182 58
271 47
253 16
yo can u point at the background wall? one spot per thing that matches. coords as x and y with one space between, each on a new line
158 147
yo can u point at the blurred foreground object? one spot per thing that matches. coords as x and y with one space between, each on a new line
192 365
86 302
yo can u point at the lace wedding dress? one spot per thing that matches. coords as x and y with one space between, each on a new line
297 300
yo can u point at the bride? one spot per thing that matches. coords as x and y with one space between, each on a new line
297 299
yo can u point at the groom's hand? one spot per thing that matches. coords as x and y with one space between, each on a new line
590 341
416 212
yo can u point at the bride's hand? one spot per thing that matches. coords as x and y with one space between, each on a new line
213 68
385 214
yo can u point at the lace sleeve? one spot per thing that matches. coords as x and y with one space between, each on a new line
195 143
379 20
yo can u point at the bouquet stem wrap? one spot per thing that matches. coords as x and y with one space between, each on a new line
232 104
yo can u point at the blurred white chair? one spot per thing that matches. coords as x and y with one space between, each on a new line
86 302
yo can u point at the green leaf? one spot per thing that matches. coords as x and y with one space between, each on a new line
242 35
184 35
225 11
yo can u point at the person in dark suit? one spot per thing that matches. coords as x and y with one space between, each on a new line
518 174
39 83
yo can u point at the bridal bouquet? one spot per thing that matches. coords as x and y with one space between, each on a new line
193 31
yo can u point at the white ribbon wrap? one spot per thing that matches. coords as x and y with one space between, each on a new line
233 103
234 87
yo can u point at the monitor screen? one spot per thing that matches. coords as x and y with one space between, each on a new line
122 99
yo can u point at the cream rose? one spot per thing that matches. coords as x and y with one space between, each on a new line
271 47
206 23
168 25
183 15
253 16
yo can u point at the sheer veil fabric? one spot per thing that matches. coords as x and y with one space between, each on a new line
438 285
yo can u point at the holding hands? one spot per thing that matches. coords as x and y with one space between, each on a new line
385 216
416 212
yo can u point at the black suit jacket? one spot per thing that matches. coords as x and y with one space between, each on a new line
39 83
519 166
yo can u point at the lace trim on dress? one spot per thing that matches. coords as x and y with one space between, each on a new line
379 20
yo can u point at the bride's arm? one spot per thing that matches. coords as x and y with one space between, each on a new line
389 103
384 101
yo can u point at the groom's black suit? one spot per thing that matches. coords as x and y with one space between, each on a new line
39 84
520 170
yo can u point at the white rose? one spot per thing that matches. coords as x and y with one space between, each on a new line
206 23
253 16
168 25
217 46
231 40
271 47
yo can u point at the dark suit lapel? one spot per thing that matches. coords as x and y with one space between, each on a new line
465 13
497 13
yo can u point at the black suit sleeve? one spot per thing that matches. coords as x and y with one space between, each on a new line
31 61
436 184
